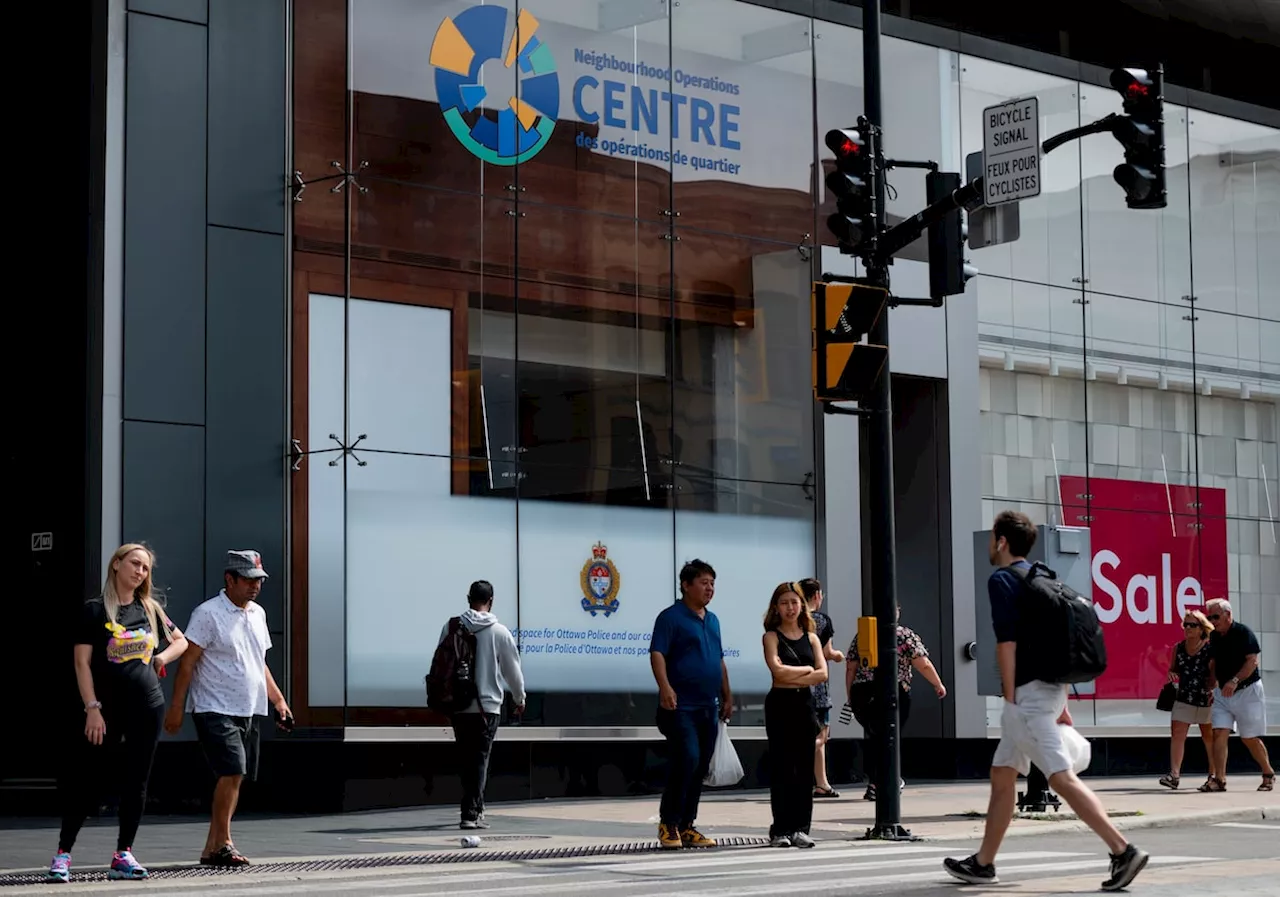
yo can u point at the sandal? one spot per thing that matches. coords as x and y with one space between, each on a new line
825 793
1169 780
1268 782
225 857
1214 785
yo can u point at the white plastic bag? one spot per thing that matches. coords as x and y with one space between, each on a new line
726 768
1078 748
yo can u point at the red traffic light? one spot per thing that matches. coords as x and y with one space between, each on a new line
1135 84
845 144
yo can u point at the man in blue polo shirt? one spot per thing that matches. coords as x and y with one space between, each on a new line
693 690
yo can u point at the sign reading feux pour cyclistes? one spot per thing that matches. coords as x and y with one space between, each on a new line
1011 151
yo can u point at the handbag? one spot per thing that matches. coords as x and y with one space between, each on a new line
1168 695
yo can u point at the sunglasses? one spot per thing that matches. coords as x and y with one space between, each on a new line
1215 616
1191 625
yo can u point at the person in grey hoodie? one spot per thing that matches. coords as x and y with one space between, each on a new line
497 671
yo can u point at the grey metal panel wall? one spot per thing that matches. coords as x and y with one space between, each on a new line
244 433
247 114
164 506
187 10
205 279
164 221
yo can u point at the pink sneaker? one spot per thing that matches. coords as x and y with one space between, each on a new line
123 865
60 868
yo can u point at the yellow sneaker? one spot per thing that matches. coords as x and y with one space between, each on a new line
691 837
668 837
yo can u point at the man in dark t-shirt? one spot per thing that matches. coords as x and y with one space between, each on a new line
1031 721
1239 702
687 657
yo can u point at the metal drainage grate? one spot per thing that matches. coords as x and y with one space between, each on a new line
340 864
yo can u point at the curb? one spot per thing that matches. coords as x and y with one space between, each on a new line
1130 823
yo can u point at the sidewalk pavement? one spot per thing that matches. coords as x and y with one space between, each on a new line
946 811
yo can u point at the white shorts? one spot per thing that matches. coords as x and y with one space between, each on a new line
1029 730
1245 711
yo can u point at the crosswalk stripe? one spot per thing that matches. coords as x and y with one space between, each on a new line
852 885
688 884
813 863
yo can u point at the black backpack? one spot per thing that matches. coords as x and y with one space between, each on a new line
451 682
1061 628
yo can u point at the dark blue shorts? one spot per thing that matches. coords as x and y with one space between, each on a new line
230 743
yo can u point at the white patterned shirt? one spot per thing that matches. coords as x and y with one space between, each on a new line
231 675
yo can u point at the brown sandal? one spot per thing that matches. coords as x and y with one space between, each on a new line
225 857
1268 782
1213 784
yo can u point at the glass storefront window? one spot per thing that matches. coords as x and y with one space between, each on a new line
562 315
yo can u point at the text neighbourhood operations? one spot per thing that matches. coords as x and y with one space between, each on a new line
1014 166
641 109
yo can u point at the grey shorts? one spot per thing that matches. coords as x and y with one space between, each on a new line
230 743
1191 714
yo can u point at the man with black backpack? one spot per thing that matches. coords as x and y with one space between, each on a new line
475 664
1047 637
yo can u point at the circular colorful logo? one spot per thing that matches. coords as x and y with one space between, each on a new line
462 45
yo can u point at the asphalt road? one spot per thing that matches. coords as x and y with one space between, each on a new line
1236 859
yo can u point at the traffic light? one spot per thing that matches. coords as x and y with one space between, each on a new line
853 185
948 269
1141 132
844 369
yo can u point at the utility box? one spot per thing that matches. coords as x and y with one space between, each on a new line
1063 549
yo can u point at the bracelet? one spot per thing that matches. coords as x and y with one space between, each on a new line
92 705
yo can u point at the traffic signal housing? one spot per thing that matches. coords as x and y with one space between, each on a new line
852 183
844 367
948 269
1141 132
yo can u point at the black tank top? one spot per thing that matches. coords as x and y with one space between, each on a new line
795 652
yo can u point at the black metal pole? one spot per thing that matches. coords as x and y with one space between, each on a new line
880 460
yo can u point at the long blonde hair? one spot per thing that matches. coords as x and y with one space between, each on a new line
152 600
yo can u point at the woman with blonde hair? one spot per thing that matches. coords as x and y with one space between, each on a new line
1190 665
796 662
118 674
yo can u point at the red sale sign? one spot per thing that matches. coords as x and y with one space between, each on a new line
1153 560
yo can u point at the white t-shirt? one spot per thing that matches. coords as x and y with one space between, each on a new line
231 675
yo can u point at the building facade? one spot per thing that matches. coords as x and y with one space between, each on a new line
407 293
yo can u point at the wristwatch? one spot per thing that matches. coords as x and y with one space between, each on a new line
92 705
1235 680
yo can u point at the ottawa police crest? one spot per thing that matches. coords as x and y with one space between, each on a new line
600 582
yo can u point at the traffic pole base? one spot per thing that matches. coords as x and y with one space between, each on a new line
1038 802
889 832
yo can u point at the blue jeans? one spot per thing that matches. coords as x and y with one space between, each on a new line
691 739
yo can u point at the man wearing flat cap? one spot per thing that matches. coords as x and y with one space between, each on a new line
225 682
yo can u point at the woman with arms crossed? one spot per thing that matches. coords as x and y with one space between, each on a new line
795 660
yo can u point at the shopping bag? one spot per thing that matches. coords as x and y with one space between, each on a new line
1168 695
1078 748
726 768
